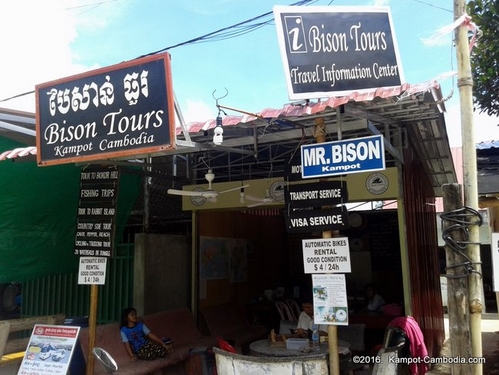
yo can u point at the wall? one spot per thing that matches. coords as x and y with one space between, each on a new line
266 256
167 282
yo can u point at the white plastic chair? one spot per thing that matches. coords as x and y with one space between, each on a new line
293 306
105 359
285 312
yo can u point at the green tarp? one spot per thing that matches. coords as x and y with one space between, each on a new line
38 207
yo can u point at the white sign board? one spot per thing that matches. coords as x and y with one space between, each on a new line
494 247
49 350
92 271
326 255
330 299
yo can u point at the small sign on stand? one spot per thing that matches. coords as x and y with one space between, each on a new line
330 299
49 350
92 271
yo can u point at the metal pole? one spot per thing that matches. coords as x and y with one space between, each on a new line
465 86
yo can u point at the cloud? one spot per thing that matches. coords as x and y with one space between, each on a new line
484 126
36 44
197 111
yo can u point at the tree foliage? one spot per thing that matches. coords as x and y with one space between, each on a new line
485 55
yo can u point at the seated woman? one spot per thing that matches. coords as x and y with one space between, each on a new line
374 301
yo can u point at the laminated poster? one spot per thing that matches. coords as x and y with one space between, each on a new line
330 299
49 350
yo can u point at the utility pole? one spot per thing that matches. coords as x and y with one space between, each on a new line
465 86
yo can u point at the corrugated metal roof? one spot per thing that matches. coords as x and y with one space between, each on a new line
18 152
309 109
264 142
485 145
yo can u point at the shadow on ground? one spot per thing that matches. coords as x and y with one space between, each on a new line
490 349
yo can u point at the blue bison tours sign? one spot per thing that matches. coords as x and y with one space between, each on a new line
114 112
334 51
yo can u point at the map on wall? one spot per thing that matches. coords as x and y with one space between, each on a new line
223 258
239 261
214 258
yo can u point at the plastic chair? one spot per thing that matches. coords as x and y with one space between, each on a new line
285 312
105 359
293 306
224 345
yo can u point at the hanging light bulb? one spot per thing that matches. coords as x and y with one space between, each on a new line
218 137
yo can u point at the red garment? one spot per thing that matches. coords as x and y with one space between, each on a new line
417 346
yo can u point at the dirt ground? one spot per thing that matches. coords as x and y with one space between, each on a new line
490 348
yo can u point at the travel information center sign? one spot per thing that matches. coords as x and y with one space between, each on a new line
334 51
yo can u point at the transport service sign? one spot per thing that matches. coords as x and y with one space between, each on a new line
343 157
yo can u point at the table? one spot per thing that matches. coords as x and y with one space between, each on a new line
263 348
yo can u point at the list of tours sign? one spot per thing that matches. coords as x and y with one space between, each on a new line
334 51
96 219
114 112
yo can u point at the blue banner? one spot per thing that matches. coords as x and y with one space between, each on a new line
343 157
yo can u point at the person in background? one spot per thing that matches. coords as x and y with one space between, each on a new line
306 320
374 301
140 342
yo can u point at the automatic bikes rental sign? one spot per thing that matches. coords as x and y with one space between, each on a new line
114 112
334 51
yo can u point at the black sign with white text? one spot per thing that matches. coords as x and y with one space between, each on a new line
316 194
329 51
303 221
96 218
122 110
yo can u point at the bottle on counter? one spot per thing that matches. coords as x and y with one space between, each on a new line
315 335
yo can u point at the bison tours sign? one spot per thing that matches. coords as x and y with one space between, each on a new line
114 112
334 51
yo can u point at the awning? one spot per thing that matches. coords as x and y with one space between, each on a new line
18 152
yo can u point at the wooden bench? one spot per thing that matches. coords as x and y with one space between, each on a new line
227 322
178 324
12 348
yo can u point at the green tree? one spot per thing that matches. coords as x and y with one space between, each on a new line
485 56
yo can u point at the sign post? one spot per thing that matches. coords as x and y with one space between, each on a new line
49 350
94 239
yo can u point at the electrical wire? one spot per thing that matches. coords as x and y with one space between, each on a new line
462 219
232 31
228 32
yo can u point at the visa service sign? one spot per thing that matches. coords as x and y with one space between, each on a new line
343 157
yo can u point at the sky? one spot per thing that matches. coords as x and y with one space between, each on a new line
45 40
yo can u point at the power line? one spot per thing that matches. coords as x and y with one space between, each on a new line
433 5
232 31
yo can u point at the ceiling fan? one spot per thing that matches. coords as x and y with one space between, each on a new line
199 192
259 201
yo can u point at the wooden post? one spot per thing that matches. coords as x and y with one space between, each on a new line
332 332
92 326
457 287
470 183
494 227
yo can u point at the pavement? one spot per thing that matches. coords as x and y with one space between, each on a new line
490 346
